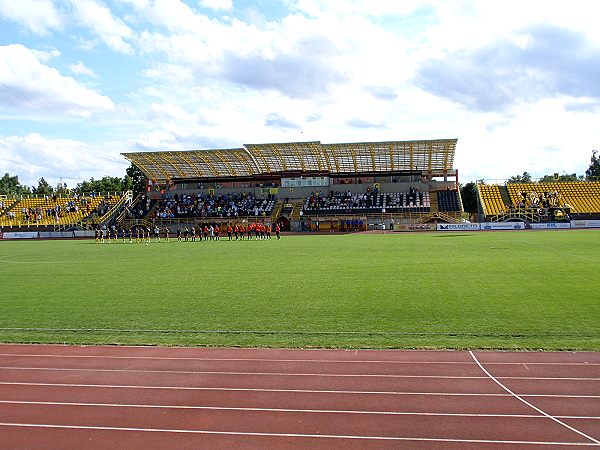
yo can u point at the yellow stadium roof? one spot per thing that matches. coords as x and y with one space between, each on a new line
426 156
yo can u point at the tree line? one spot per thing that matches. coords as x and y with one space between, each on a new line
134 180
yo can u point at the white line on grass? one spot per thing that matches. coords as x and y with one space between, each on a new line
581 433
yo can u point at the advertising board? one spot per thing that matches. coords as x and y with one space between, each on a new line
83 233
550 226
20 235
503 226
457 226
585 223
414 227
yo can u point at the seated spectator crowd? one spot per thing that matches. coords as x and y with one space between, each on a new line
209 205
534 200
350 203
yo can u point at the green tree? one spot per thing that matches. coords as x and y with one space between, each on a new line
525 178
10 185
105 184
468 192
43 188
593 171
134 179
563 177
61 188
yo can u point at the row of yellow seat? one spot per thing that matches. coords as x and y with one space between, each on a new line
22 216
491 199
582 196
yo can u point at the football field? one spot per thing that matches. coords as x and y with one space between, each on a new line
503 290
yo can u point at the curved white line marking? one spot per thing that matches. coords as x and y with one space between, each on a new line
581 433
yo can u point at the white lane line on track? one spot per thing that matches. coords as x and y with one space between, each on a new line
311 391
581 433
285 410
191 358
288 374
291 435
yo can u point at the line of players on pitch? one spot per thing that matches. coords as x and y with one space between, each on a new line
209 232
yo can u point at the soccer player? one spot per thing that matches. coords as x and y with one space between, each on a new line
217 232
179 234
193 233
278 231
156 233
229 231
167 234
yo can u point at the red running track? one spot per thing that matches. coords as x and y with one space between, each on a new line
151 397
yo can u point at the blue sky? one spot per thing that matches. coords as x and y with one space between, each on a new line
83 80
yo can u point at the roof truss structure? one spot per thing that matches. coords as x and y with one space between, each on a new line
427 156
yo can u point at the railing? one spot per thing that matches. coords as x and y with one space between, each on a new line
528 215
127 196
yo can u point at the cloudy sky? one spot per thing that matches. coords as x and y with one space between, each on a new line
517 82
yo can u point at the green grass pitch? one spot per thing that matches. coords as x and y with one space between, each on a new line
510 290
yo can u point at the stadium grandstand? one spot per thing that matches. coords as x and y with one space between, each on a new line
60 212
301 185
304 186
539 202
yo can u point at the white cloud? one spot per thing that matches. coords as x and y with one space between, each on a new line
100 20
169 112
217 4
39 16
33 156
27 85
80 68
331 70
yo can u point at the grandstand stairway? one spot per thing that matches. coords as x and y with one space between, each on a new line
297 205
433 199
276 211
505 195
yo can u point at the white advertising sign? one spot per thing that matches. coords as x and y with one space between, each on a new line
20 235
457 226
503 226
585 223
550 226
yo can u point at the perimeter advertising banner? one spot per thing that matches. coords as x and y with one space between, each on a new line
20 235
550 226
503 226
457 226
414 227
585 223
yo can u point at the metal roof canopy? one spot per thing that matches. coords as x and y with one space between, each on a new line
426 156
